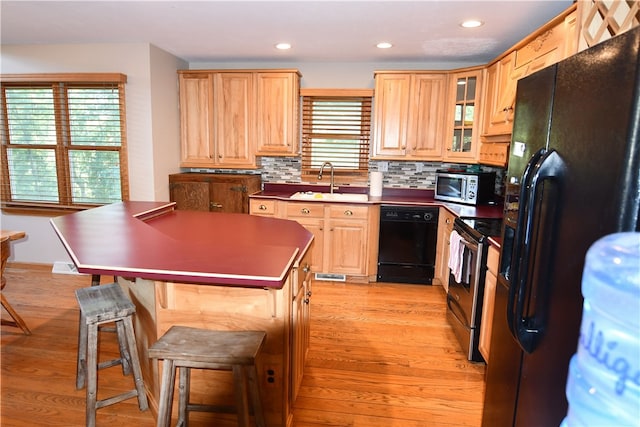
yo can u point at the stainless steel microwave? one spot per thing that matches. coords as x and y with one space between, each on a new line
471 188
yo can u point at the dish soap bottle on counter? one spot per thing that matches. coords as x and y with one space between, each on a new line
603 387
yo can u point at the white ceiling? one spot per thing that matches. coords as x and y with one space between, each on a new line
326 30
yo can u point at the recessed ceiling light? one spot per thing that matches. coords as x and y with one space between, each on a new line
384 45
471 23
283 46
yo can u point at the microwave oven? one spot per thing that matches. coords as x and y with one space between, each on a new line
471 188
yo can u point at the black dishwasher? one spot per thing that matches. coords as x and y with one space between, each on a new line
407 247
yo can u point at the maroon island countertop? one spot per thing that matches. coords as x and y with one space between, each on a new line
153 240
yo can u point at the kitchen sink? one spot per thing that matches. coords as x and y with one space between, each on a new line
330 197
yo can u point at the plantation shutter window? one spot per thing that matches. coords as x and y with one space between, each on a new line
336 128
63 141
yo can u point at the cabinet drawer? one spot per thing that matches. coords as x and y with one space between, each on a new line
262 207
348 211
306 210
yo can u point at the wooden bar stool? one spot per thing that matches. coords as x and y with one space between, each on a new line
185 348
5 251
99 305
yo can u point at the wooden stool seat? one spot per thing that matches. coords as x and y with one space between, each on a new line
98 305
185 348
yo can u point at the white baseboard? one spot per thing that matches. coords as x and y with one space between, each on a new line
62 267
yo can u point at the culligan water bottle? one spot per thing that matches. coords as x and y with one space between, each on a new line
603 387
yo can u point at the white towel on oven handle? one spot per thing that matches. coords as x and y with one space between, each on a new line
456 255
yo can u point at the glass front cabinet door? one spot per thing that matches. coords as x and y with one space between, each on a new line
464 120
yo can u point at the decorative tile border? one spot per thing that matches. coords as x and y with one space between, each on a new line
413 175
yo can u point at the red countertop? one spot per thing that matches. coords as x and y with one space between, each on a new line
390 196
152 240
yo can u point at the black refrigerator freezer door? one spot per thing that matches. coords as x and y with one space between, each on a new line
594 129
530 132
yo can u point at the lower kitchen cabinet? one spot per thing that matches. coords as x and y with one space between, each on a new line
213 192
300 324
445 226
345 235
490 284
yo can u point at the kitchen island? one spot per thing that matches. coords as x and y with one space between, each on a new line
207 270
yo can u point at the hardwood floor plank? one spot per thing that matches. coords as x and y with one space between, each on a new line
381 355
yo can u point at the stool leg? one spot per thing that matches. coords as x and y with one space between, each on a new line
125 357
252 375
240 391
81 368
166 393
92 374
17 320
183 398
135 363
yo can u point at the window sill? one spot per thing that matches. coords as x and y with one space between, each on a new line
40 210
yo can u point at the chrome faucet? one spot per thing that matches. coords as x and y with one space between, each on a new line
322 170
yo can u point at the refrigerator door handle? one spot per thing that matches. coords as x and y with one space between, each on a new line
528 329
518 240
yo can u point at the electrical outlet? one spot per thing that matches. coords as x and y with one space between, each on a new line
383 166
419 167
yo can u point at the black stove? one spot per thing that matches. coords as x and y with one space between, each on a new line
481 228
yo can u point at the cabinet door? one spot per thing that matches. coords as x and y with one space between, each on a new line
427 116
391 114
346 245
445 225
500 96
228 197
488 303
233 111
190 195
277 113
463 117
311 216
196 120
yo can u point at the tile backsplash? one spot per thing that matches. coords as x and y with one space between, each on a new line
415 175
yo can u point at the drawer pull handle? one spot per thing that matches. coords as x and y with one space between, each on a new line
304 211
348 212
262 207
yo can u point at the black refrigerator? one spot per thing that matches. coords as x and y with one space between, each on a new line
573 177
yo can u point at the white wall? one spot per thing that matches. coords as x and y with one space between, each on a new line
152 123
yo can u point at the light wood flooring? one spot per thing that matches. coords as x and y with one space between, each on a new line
381 355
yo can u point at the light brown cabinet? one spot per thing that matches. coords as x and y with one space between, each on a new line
216 126
228 117
488 302
345 234
213 192
465 91
277 104
409 115
500 97
445 226
300 317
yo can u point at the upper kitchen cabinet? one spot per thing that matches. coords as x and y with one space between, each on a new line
500 98
277 113
227 117
409 117
464 114
196 120
551 43
215 119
